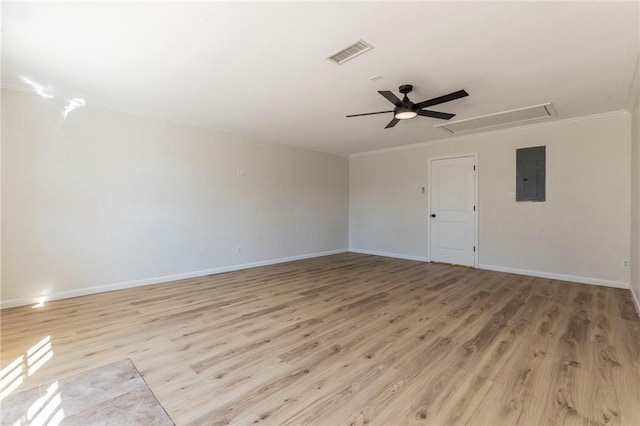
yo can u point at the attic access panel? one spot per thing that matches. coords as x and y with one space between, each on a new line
530 173
504 119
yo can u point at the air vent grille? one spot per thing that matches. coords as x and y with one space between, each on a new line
350 52
499 120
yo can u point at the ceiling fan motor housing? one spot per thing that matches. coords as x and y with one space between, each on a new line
408 109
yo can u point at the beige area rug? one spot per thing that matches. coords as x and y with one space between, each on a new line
114 394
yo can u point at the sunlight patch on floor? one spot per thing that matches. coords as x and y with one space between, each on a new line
13 375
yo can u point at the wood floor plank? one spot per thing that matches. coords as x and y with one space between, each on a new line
350 339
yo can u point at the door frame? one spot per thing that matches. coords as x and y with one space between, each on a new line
475 201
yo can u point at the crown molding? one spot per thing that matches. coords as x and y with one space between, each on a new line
142 114
490 132
65 97
31 91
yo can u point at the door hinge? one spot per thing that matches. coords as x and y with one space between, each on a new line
474 167
474 248
474 208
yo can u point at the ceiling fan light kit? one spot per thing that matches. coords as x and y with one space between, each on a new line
404 113
405 109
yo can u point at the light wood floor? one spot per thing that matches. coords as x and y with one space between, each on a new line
351 339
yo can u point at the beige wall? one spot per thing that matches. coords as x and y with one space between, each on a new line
635 191
106 199
580 233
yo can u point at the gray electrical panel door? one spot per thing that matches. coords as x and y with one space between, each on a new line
530 174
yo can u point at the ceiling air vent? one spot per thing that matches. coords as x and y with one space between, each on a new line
350 52
499 120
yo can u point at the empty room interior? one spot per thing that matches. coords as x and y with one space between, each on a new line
328 213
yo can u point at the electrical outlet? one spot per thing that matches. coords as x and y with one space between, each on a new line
625 263
238 250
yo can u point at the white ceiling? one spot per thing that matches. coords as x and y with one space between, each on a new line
259 69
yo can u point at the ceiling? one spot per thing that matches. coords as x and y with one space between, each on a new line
260 69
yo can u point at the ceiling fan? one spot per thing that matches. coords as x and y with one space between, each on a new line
406 109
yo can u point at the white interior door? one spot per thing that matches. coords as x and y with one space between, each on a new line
453 210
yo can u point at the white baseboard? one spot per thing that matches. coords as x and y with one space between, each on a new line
636 301
385 254
167 278
562 277
157 280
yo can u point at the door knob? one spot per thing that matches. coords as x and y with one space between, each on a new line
433 215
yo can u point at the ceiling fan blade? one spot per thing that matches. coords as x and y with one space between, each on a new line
442 99
391 97
368 113
435 114
392 123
